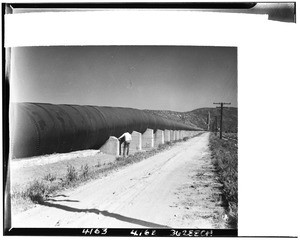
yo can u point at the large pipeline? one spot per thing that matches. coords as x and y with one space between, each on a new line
42 128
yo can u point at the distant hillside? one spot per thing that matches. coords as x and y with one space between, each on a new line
199 117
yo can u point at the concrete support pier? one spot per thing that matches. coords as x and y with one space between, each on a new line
172 133
177 135
147 139
187 134
159 137
136 142
111 146
180 134
167 135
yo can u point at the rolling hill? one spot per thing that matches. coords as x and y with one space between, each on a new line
199 117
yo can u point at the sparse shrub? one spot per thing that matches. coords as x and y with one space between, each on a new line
185 138
85 171
121 158
98 164
36 192
160 147
71 174
50 177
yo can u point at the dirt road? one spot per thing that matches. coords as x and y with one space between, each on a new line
176 188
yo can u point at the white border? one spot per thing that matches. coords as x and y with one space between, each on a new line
268 87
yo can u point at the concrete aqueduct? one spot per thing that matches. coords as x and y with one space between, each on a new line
41 128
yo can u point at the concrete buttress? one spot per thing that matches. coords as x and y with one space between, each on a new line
147 139
111 146
136 142
159 137
167 135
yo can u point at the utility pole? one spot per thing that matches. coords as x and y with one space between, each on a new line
221 117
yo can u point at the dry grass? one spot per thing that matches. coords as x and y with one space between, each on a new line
50 177
225 158
71 175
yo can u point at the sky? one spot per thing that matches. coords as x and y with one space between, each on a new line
173 78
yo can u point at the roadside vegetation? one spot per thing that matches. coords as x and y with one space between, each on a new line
224 155
39 190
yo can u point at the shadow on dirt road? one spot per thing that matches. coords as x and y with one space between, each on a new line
105 213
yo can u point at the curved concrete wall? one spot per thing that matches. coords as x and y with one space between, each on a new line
41 128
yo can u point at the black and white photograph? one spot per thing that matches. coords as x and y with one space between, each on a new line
139 137
138 124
